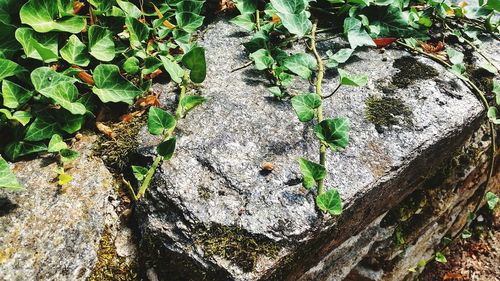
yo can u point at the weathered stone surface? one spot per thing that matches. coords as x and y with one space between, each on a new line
215 179
49 233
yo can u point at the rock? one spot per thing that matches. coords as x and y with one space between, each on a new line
49 233
212 214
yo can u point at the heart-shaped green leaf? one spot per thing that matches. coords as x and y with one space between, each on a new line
339 57
129 8
131 65
7 179
9 68
245 21
45 15
173 69
194 60
159 120
138 31
8 43
45 80
304 106
312 172
350 79
334 132
68 155
455 56
492 200
330 202
56 144
139 172
293 15
74 52
15 150
41 129
188 21
301 64
190 102
22 117
66 94
14 95
356 34
262 59
101 45
42 47
166 149
110 86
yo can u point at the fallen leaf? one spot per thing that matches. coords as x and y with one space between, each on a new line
84 76
226 6
153 75
382 42
429 48
107 131
275 18
166 23
453 276
130 116
77 6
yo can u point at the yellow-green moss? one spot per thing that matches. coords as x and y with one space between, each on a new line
110 266
387 111
236 245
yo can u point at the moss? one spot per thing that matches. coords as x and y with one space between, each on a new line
110 266
204 192
116 152
387 111
411 70
236 245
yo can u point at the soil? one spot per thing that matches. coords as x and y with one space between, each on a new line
473 259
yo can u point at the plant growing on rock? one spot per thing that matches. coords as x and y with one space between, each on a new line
62 62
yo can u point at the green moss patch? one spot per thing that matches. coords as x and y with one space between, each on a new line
411 70
115 152
236 245
387 111
110 266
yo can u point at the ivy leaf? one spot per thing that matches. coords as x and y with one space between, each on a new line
44 16
262 59
293 15
151 64
101 45
440 258
129 8
493 115
131 65
14 95
334 132
339 57
312 172
8 43
74 52
110 86
246 6
15 150
66 94
488 67
496 91
42 47
56 144
190 102
138 31
188 21
194 60
356 34
330 202
139 172
245 21
68 155
45 79
466 234
492 200
166 149
159 120
41 129
64 179
301 64
22 117
304 106
455 56
7 178
459 71
350 79
9 68
173 69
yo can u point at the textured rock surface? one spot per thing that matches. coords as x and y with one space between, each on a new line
51 234
215 177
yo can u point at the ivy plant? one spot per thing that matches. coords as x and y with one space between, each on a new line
61 61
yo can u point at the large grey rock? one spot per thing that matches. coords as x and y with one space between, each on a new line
47 233
211 201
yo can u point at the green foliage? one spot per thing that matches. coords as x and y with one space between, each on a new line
305 105
52 72
333 132
160 120
330 202
166 148
312 172
7 178
492 200
440 257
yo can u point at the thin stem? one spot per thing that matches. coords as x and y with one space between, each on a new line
319 112
130 189
334 91
168 134
257 19
247 64
475 48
